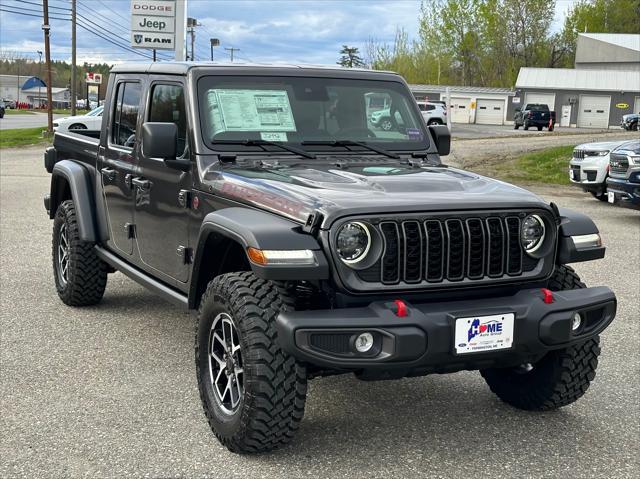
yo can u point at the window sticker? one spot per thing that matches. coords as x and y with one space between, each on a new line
414 134
250 110
273 135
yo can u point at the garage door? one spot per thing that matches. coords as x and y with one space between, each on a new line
490 112
460 108
593 111
548 99
636 105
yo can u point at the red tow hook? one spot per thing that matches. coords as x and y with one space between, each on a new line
401 310
547 295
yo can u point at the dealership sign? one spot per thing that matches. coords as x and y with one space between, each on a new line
93 78
153 24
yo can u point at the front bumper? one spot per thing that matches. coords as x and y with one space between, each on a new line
422 342
626 193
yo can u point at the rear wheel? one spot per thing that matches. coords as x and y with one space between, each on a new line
252 392
80 276
561 377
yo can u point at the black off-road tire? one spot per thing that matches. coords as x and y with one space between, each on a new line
275 384
86 274
560 378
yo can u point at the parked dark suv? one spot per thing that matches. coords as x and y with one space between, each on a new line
623 183
310 245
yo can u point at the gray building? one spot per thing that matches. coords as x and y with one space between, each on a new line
604 85
470 104
608 51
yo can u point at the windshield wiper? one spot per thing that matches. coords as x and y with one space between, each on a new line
347 143
263 143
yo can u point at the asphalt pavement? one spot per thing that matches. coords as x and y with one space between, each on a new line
110 391
25 120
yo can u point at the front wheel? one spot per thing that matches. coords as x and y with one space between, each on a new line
78 126
602 196
386 124
252 392
561 377
434 122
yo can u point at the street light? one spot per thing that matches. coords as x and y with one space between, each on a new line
39 79
214 43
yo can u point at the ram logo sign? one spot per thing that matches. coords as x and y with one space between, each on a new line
153 24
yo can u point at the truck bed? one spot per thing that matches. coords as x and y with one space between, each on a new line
80 146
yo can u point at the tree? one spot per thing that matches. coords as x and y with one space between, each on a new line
350 57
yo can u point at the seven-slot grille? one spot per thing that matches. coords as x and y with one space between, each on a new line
618 163
449 249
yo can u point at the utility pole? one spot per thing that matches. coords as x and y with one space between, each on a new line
232 50
73 57
39 77
47 53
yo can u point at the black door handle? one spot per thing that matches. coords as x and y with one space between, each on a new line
142 185
108 173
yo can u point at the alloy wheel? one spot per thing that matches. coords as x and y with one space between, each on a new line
226 371
63 254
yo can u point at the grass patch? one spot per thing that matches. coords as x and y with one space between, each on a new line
23 137
549 166
17 112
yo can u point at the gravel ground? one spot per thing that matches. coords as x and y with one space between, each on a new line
110 391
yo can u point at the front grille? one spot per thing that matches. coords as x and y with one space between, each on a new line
618 163
452 250
578 154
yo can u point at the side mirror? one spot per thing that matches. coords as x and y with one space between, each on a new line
442 138
159 141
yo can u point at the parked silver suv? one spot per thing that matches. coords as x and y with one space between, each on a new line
433 113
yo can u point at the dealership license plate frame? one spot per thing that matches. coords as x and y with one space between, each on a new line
611 197
486 341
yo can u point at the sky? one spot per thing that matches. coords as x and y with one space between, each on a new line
265 31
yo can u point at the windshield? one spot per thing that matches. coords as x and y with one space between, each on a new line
96 112
309 113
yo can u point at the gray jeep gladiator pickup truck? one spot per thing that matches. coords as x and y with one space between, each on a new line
309 243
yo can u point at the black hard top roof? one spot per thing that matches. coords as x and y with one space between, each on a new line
182 68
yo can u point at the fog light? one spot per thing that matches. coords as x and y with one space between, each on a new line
364 342
576 322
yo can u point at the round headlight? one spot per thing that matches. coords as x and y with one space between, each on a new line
532 233
353 242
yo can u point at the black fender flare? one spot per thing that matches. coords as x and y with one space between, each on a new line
81 188
265 231
573 224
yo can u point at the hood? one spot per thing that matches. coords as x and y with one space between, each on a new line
301 190
629 116
602 145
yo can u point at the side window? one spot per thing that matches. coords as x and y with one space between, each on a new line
168 106
125 117
430 107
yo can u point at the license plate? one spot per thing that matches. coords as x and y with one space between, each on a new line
611 197
478 334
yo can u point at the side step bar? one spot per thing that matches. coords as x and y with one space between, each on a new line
144 279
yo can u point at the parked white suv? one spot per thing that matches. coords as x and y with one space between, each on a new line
589 167
433 113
